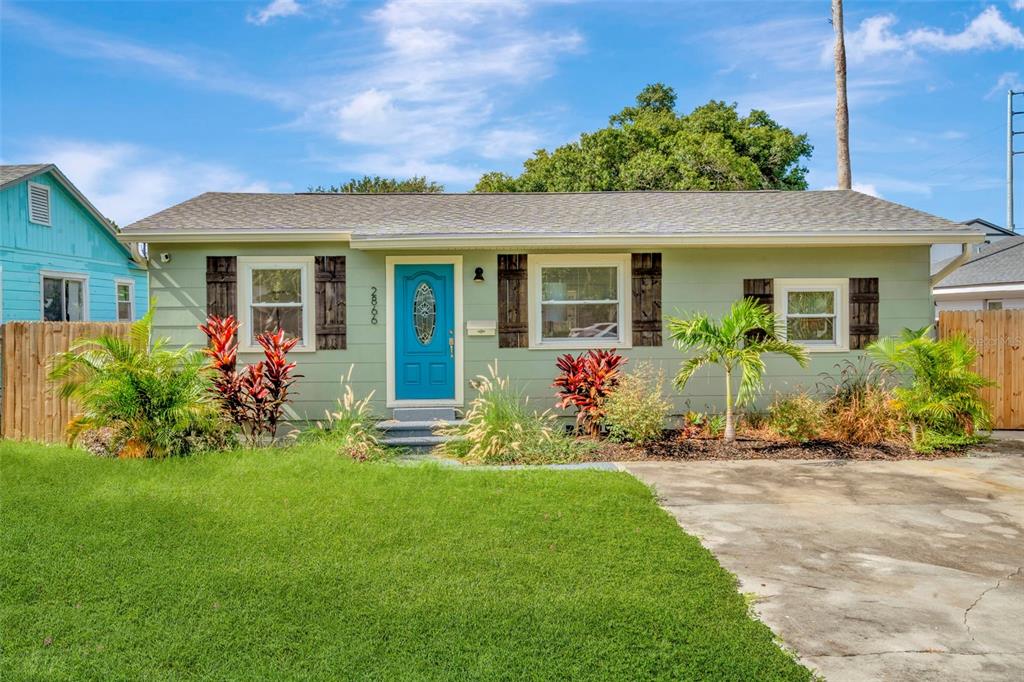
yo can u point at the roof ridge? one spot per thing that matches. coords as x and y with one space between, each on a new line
997 248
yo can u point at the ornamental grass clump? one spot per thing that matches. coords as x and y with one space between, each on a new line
940 395
499 428
351 427
635 412
137 398
861 409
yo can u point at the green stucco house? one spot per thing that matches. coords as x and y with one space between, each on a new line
421 292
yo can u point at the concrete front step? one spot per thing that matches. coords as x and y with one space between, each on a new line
415 442
397 429
419 434
423 414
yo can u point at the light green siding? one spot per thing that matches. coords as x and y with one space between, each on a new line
693 279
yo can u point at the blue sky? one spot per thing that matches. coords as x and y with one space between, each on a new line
144 104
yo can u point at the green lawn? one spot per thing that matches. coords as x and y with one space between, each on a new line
298 564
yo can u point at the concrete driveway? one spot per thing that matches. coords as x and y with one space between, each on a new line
869 570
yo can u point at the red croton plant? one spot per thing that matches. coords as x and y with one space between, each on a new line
255 397
584 383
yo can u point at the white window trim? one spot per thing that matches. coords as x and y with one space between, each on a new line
49 203
246 264
842 288
1000 301
57 274
130 283
536 262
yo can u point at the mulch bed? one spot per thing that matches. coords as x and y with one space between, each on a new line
673 447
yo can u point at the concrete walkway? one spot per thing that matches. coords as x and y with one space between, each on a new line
869 570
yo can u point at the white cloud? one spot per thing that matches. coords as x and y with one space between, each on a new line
877 36
274 10
1017 4
1010 80
439 79
127 182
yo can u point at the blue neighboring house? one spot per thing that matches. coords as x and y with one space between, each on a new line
60 259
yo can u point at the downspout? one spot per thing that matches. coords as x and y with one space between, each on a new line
948 268
140 254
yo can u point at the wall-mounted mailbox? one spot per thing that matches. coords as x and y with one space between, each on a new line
480 327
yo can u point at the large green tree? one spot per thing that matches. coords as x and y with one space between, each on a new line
417 184
651 146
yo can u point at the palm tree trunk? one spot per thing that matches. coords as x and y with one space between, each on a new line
842 111
730 426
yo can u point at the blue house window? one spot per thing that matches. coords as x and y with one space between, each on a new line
125 301
64 298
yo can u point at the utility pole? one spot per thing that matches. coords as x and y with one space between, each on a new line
1010 153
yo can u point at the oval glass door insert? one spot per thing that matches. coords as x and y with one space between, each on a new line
424 313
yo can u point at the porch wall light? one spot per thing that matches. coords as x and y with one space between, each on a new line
478 275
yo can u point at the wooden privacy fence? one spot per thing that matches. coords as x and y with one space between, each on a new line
31 408
999 337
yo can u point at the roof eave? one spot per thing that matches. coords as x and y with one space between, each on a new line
413 242
208 236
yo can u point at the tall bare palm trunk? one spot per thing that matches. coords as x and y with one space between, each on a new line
842 111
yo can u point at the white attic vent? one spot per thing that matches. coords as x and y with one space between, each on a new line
38 204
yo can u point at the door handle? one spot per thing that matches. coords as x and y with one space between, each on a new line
451 343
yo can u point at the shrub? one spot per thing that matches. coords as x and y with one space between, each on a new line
736 342
702 423
156 402
797 417
585 382
940 398
352 427
864 417
636 410
498 429
255 398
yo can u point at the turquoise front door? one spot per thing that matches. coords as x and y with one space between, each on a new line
425 332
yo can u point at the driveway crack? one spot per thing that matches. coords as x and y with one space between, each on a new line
984 592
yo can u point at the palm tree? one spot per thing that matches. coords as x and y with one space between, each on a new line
942 394
157 396
736 343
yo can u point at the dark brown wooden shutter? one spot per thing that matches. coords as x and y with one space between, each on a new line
863 311
762 291
646 299
221 286
513 303
330 303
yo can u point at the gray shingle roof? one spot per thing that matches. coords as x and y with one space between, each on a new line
999 263
13 173
582 213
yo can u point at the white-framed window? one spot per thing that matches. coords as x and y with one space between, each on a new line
124 290
64 297
275 293
994 304
39 204
579 301
814 312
